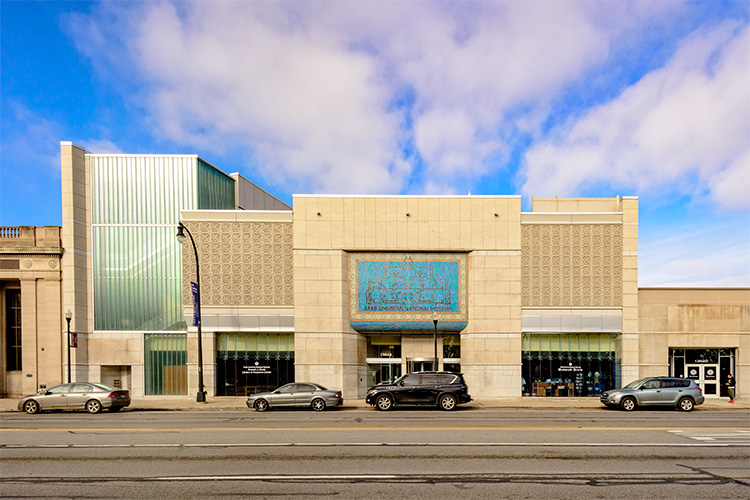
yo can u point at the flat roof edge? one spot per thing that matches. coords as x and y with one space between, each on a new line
701 288
148 155
512 196
71 143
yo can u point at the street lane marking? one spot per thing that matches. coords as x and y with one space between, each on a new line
723 435
371 444
364 428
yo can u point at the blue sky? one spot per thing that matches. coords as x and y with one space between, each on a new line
538 98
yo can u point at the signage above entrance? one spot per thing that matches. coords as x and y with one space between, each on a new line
402 291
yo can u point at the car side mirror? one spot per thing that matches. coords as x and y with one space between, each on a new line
277 392
401 383
47 393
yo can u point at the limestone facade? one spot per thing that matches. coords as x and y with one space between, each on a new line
694 319
567 267
31 299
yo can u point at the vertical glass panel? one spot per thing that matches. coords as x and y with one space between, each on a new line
142 189
215 189
137 278
165 363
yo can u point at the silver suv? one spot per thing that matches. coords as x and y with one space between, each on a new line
681 393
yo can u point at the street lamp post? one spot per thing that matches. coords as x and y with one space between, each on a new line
201 397
435 322
68 316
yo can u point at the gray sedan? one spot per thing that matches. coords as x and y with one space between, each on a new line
299 394
76 396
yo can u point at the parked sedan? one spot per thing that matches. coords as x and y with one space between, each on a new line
681 393
88 396
299 394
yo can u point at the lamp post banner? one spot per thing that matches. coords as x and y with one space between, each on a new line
196 312
73 339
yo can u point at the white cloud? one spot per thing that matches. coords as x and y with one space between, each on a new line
311 111
308 88
688 120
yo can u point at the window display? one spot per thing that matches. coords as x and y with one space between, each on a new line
248 363
575 364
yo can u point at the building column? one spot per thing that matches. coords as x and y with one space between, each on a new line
630 341
29 337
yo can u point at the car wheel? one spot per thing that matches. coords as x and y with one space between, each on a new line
31 407
384 402
115 409
318 404
447 402
627 404
93 406
685 404
261 405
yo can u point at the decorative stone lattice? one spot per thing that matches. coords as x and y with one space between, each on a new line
242 263
577 265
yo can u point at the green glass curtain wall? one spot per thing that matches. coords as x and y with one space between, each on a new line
165 364
137 261
215 189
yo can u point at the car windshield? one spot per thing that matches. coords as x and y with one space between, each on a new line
399 379
634 384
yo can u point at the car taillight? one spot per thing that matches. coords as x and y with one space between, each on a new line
699 389
112 394
337 395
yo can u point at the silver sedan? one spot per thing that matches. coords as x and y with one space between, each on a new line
299 394
88 396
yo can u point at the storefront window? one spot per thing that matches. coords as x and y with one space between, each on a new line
451 346
248 363
383 358
575 364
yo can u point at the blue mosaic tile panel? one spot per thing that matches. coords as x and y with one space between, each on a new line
401 291
407 286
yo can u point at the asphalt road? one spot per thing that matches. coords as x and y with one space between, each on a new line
491 453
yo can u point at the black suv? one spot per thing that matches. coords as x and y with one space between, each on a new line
444 389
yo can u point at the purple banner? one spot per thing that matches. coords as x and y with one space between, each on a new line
196 312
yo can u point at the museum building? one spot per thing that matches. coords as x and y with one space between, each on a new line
349 291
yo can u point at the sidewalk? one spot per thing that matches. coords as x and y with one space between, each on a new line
182 403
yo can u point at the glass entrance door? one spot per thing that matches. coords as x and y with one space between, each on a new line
707 376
